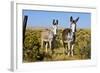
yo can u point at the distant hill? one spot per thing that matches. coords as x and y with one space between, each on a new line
42 27
48 27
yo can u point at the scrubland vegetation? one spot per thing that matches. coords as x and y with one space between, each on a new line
32 51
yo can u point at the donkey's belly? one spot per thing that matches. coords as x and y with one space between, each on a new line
65 41
68 40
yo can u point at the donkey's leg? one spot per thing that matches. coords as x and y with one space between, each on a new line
65 48
41 43
68 48
72 49
50 44
64 51
46 46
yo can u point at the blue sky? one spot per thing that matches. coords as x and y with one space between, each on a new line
45 18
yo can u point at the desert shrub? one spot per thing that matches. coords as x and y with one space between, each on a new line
31 45
32 50
58 39
83 42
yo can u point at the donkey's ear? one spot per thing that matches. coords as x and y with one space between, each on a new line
77 19
57 22
53 21
71 19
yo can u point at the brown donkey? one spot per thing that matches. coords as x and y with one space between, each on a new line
68 37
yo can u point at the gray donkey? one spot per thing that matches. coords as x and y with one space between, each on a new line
48 35
68 37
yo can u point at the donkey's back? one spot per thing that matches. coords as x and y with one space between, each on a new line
46 35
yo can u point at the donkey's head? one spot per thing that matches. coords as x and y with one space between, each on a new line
55 26
73 24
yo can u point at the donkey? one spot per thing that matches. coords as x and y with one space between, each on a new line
48 35
68 37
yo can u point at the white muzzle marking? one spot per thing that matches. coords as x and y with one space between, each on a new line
54 29
73 27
